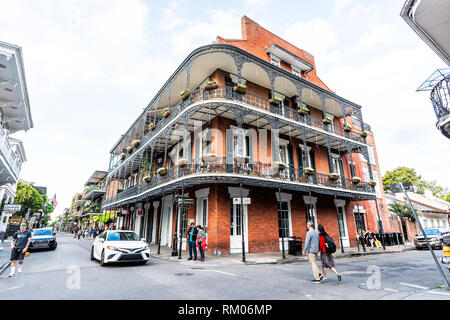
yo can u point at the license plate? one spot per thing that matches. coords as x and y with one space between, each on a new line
41 244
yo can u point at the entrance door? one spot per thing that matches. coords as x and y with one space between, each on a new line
236 228
359 220
166 228
405 232
284 224
343 231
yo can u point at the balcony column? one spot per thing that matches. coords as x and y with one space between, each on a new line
305 150
188 74
239 62
165 149
330 162
350 153
156 110
365 152
169 94
343 112
360 118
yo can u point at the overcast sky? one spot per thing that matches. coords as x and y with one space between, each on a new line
92 66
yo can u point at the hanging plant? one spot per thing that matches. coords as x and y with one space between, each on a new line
309 171
151 126
166 112
372 183
327 120
130 149
240 88
147 179
211 85
274 100
182 163
209 157
279 165
355 150
162 171
303 110
364 134
356 180
185 94
347 127
136 143
123 155
239 158
333 176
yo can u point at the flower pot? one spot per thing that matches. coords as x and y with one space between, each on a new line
166 114
241 159
356 180
333 176
302 112
347 129
355 150
275 102
209 157
162 172
130 149
151 127
363 134
135 143
309 171
326 121
123 155
185 96
239 90
212 86
182 163
280 165
372 183
147 179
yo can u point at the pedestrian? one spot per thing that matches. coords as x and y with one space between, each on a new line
201 242
370 238
95 231
86 233
19 245
326 248
192 239
312 248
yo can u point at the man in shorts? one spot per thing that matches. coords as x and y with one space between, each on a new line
19 245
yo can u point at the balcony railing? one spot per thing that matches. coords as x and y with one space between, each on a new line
227 92
260 170
8 153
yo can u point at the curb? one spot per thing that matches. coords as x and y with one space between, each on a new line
4 266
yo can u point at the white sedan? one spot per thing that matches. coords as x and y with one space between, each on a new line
119 246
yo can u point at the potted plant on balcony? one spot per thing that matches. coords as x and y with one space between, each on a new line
309 171
151 126
182 162
136 143
372 183
326 120
122 155
145 170
347 127
209 157
240 88
275 101
303 110
162 171
279 165
356 180
130 149
185 94
333 176
364 133
355 150
166 112
239 158
211 85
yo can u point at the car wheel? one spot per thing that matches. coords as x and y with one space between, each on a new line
102 261
92 253
54 246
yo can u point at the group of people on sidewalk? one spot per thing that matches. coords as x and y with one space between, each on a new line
196 237
316 242
89 232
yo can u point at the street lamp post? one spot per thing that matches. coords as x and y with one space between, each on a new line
282 233
181 235
242 225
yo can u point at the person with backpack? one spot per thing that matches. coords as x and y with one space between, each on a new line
312 249
327 247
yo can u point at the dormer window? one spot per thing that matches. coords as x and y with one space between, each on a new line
275 61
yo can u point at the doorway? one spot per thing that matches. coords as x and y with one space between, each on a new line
236 227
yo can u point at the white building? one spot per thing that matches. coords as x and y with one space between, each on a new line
14 116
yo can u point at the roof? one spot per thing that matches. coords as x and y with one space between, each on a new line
96 177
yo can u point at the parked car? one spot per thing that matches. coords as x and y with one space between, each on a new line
445 259
119 246
43 238
435 237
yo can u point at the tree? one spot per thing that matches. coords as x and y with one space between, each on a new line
446 197
29 198
402 210
400 175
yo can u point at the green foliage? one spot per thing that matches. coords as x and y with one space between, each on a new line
446 197
402 210
28 197
49 208
400 175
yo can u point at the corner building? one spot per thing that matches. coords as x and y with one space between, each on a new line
255 115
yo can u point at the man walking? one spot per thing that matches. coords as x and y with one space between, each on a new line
19 245
312 248
192 240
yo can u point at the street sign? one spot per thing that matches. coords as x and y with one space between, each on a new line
12 207
244 200
185 201
139 212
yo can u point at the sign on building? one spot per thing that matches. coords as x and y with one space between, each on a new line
244 200
12 207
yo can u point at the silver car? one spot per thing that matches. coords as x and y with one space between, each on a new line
43 238
435 237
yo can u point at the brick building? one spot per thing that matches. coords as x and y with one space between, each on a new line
247 118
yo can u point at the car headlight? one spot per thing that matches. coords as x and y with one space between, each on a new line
112 248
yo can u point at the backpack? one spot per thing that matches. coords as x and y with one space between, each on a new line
330 246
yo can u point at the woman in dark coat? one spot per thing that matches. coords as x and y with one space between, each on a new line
325 257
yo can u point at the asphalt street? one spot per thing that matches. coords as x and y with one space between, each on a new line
68 273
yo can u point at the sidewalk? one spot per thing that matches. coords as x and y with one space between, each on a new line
5 254
271 257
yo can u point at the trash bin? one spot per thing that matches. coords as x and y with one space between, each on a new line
387 239
295 246
400 238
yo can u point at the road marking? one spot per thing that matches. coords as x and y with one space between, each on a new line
227 273
442 293
354 272
391 290
413 286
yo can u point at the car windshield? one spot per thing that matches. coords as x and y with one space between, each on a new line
44 232
123 236
430 232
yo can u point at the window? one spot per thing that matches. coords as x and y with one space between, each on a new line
183 221
311 165
283 220
275 61
296 71
341 222
371 156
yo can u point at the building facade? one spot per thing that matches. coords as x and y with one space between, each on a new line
250 119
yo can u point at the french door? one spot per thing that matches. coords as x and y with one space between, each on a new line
236 224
